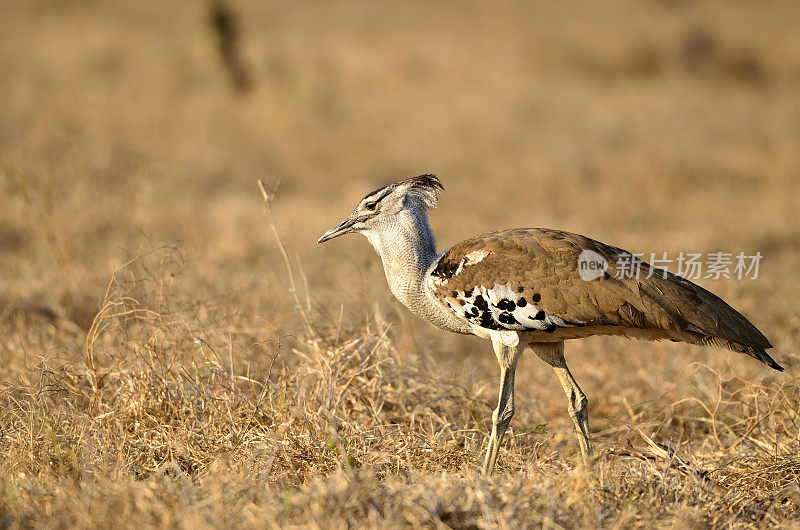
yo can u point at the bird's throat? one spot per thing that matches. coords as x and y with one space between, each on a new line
407 248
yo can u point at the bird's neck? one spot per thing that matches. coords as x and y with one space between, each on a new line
407 248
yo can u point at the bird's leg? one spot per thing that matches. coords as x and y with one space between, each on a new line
578 410
553 354
507 357
501 417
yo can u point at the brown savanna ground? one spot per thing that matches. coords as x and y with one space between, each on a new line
156 369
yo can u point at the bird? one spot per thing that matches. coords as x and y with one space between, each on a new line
524 288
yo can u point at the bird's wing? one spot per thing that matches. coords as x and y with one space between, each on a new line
528 279
534 279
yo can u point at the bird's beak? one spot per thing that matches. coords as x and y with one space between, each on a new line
342 228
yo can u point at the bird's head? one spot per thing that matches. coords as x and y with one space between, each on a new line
383 206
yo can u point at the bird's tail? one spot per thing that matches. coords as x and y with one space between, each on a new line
706 318
753 351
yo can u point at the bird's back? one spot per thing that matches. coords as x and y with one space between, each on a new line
529 280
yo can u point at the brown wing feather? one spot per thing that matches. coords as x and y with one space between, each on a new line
540 266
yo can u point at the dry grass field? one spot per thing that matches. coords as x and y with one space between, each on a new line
158 370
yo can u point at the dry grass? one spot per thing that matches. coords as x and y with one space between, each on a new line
156 368
185 413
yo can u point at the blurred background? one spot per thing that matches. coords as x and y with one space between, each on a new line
661 126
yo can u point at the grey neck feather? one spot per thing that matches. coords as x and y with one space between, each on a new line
407 249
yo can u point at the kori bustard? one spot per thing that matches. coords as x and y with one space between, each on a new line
522 288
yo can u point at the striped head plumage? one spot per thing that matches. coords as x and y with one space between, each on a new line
378 207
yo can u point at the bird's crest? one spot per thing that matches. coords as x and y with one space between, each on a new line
425 188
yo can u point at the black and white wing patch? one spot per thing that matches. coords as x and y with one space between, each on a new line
502 308
497 286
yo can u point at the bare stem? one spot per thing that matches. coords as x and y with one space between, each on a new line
268 198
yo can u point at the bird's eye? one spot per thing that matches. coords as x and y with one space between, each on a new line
371 206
